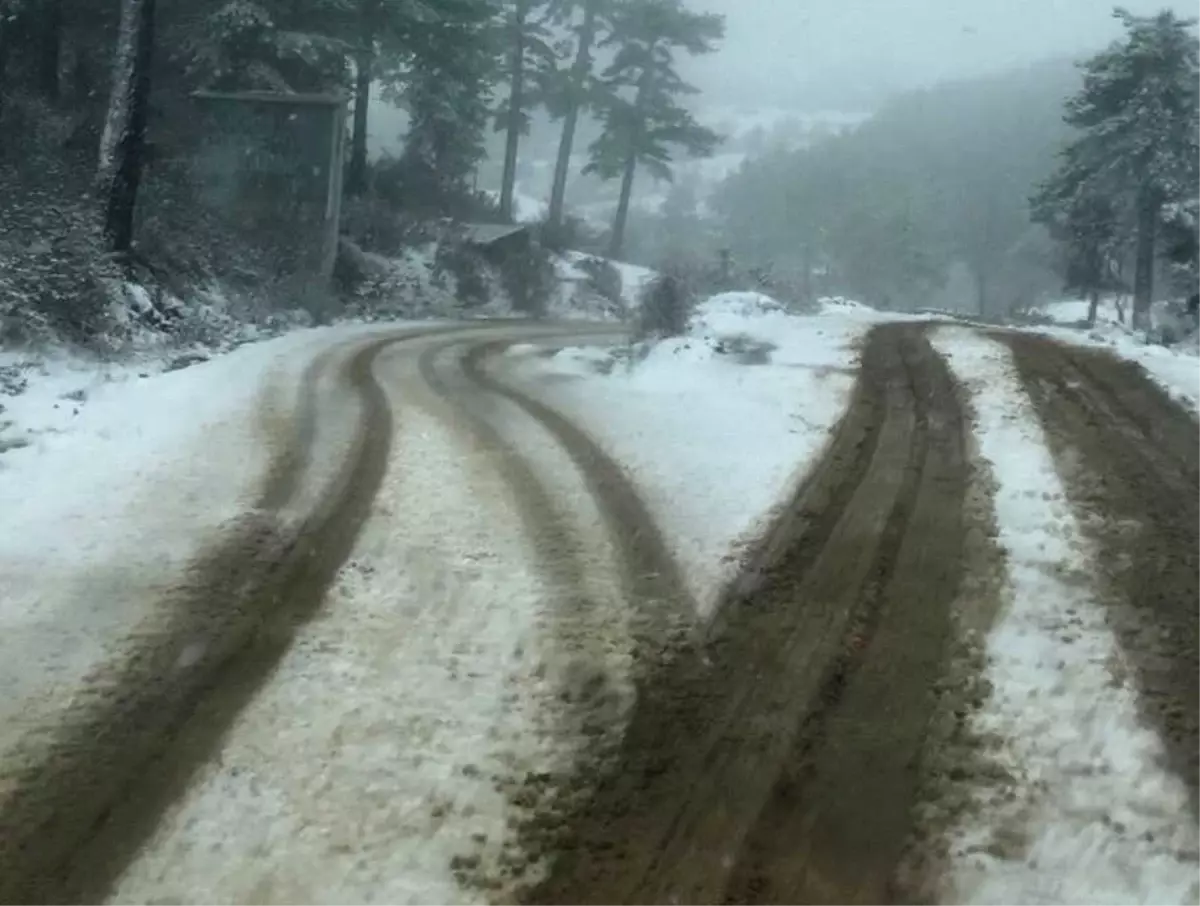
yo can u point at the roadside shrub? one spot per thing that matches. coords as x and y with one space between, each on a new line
530 280
604 279
467 268
666 308
376 225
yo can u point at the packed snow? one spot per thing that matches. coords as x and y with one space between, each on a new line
716 426
1102 821
122 480
371 766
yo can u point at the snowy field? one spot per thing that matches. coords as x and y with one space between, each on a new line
717 426
1104 822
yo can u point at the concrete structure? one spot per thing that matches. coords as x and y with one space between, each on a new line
270 166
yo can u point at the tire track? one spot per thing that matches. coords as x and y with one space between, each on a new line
590 700
1129 458
66 830
652 578
838 819
748 769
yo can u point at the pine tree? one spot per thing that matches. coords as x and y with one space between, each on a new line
589 21
643 129
386 37
274 45
1086 225
366 49
1136 152
531 61
446 88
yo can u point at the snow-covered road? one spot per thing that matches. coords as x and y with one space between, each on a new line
465 613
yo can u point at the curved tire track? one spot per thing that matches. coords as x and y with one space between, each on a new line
65 828
651 576
1131 458
780 764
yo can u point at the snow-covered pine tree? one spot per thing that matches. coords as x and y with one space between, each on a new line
1086 224
273 45
1137 149
641 114
385 36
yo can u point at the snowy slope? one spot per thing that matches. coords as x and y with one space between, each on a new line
715 426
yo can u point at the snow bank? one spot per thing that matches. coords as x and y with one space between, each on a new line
715 427
634 278
1099 819
579 296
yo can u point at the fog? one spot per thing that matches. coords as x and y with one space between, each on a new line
810 54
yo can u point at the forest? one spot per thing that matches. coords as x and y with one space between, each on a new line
987 194
984 194
99 119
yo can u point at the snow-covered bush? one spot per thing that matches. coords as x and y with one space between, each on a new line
529 279
666 308
467 268
604 279
376 225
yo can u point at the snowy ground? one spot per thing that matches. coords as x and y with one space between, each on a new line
114 490
372 766
578 297
1101 820
715 426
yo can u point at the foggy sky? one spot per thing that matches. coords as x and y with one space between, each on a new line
850 53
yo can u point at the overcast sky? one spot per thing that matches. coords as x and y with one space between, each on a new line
815 53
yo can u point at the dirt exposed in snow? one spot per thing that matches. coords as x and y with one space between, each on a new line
779 760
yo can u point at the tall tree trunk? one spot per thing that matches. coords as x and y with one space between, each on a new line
516 104
356 172
981 290
49 49
116 121
617 241
364 70
5 44
1093 306
807 283
580 70
128 107
1143 274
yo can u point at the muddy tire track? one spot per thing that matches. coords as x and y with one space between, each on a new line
780 763
1130 458
663 609
77 807
658 611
